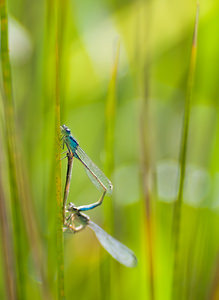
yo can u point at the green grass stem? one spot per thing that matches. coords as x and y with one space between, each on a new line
146 168
110 113
9 115
183 156
61 10
107 271
7 247
60 246
146 142
24 222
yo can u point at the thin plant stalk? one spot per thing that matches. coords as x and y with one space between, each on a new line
145 167
110 112
53 90
183 156
145 136
110 273
61 10
60 245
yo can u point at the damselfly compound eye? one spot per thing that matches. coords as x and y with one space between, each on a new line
67 130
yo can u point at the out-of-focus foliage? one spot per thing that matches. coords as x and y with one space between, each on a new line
158 32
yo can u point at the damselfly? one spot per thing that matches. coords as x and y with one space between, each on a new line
94 173
118 251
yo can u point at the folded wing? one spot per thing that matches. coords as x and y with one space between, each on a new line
97 177
118 251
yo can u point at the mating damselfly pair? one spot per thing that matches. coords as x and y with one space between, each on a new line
73 214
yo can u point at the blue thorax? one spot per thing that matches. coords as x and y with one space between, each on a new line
73 144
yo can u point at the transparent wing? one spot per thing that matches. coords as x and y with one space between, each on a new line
94 173
118 251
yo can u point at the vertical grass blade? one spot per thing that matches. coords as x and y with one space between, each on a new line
24 223
183 155
52 87
107 270
110 113
49 146
61 11
146 143
145 167
7 248
11 150
60 246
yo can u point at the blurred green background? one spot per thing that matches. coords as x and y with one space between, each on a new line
128 119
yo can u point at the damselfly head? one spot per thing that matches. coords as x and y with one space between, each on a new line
71 207
65 130
78 216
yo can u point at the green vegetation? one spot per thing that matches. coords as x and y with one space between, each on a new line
139 92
